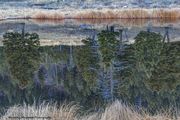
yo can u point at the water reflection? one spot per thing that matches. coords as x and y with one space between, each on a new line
22 55
105 68
120 22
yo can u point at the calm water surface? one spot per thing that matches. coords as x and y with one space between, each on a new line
92 62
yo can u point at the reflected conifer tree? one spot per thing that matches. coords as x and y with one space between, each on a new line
22 55
152 72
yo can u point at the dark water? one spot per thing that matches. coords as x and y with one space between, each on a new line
91 63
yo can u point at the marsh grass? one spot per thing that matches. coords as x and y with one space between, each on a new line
133 13
171 14
115 111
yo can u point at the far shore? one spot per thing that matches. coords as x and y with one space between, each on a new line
59 14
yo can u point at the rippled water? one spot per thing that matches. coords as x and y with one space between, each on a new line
93 62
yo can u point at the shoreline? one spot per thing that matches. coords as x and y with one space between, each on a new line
59 14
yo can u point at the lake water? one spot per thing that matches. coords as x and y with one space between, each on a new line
93 62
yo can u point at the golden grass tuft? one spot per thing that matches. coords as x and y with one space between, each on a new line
116 111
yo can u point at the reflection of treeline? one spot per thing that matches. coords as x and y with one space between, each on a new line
147 74
55 79
152 79
22 55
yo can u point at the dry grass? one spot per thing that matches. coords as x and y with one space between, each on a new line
134 13
116 111
109 14
67 112
129 14
95 14
166 14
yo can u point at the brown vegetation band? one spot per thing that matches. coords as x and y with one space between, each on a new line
171 14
